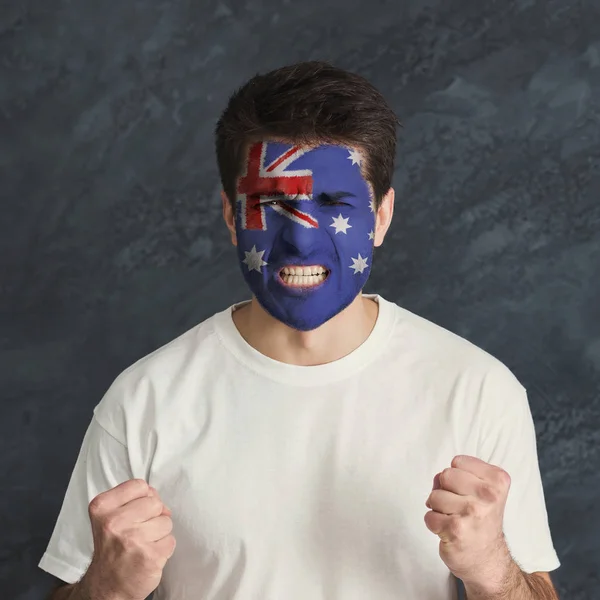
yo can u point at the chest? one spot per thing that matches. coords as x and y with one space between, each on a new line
312 484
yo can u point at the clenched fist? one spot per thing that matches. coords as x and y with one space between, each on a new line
467 512
132 542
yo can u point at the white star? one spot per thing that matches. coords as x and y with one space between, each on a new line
360 264
372 205
340 224
254 259
356 157
371 234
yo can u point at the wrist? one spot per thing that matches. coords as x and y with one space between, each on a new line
497 584
88 589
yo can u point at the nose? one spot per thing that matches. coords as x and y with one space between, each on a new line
300 230
299 238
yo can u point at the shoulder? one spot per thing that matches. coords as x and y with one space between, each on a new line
167 361
472 388
142 389
436 351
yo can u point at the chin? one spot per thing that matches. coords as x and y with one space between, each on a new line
309 318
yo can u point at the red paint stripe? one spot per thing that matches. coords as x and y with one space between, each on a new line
282 158
300 215
254 213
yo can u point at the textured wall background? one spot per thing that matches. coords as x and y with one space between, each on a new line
111 240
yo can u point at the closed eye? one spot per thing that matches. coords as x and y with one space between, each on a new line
324 198
334 199
276 200
271 202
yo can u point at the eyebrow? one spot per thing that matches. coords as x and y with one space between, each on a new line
325 196
337 195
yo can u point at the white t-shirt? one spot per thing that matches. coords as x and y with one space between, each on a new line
306 483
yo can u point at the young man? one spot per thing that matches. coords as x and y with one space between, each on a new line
313 443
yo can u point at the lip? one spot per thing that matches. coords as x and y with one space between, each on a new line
299 265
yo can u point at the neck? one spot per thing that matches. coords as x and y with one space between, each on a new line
331 341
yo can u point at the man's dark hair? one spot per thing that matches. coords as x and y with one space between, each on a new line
308 103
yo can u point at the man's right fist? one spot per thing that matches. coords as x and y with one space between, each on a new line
132 542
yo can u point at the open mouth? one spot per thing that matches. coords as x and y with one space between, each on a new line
304 277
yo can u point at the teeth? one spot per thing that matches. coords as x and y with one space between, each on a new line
304 271
303 276
303 280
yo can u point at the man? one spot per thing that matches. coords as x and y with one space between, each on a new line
315 442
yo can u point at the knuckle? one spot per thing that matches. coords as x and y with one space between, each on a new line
95 506
431 521
445 476
455 526
152 503
138 486
471 508
130 542
478 511
487 493
503 478
110 526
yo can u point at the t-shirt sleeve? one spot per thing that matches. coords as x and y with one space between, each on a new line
102 464
508 440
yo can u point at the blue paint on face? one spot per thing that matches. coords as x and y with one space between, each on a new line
299 206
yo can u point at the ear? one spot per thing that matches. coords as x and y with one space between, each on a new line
229 217
384 217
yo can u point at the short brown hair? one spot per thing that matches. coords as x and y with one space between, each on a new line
308 103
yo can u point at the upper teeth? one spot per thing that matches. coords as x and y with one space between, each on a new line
304 270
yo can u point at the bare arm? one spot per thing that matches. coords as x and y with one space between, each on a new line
74 591
518 586
65 592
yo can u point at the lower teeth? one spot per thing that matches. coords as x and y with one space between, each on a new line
303 279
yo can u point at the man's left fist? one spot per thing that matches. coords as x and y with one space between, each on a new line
467 511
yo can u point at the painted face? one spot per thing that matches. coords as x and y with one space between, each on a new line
305 223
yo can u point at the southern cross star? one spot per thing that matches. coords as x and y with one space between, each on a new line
341 224
254 259
355 157
360 264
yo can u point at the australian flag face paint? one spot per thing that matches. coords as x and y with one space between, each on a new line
305 223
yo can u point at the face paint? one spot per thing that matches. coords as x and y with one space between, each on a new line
305 223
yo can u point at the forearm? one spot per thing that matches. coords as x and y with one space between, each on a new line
517 585
76 591
65 592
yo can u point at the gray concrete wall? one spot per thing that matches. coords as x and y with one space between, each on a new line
111 241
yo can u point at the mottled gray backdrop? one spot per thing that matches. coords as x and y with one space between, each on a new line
111 241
